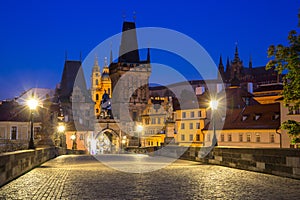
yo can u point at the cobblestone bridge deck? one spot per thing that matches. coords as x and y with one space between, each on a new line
84 177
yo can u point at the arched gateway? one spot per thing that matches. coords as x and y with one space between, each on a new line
107 141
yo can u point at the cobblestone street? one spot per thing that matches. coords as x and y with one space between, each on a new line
84 177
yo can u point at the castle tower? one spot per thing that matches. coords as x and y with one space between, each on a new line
131 74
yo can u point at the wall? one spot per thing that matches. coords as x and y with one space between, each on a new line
282 162
14 164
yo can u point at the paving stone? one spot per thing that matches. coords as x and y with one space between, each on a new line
84 177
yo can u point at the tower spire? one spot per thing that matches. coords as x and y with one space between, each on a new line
111 54
250 62
236 53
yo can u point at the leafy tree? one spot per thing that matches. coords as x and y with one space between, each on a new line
286 59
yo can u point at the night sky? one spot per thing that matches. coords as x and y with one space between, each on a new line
34 36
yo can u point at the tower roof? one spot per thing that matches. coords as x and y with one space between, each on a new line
129 47
72 71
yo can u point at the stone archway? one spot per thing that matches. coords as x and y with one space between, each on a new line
107 141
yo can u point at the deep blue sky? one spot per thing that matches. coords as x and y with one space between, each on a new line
34 36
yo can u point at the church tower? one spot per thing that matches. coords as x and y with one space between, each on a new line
100 84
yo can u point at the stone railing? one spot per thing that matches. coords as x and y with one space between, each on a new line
281 162
14 164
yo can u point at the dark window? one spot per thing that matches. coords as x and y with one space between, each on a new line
192 115
14 130
197 125
182 126
183 114
222 137
191 137
97 97
272 138
198 137
182 137
229 137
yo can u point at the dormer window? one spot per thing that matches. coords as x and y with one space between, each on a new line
275 116
257 116
244 117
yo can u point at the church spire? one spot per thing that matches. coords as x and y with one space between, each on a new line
221 68
250 62
236 54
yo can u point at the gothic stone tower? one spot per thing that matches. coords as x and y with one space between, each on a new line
101 83
130 77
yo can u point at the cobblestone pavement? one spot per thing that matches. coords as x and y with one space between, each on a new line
83 177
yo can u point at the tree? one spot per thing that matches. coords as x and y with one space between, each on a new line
286 59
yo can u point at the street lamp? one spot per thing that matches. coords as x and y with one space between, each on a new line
214 106
32 104
60 129
139 129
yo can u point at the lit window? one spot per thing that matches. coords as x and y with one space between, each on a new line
257 136
244 117
248 137
241 137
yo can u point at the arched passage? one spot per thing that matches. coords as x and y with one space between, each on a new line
107 141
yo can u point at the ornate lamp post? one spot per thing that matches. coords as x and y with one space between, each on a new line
214 106
32 104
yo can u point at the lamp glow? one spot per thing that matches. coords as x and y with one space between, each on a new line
61 128
139 128
32 104
214 104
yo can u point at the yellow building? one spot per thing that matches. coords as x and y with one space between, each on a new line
287 113
254 126
101 83
153 122
189 123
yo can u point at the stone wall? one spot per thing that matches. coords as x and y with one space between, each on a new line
282 162
14 164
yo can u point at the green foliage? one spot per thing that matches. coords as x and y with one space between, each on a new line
286 59
293 129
